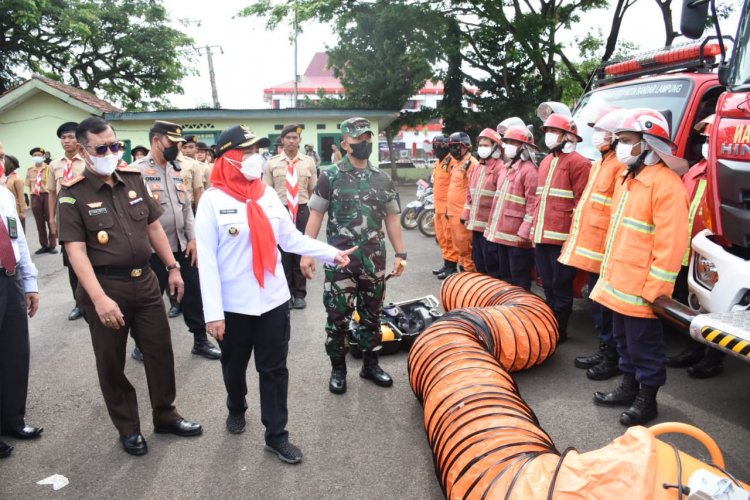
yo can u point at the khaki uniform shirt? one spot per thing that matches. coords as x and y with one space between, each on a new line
57 170
15 186
207 169
111 220
274 174
31 175
192 173
168 188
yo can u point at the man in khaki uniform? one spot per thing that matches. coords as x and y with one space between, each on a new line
192 170
293 176
37 178
70 165
204 155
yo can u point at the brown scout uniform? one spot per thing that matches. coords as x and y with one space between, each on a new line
113 223
40 204
192 173
57 171
15 185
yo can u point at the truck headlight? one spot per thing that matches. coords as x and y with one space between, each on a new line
705 272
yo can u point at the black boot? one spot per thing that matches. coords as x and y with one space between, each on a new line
591 360
450 268
688 357
623 395
711 365
337 383
203 347
441 269
643 408
371 370
608 367
562 326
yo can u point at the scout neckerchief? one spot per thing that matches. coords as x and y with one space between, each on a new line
228 178
292 188
38 182
68 169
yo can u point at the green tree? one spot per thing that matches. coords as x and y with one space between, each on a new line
121 49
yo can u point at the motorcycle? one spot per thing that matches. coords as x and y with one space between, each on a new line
426 219
413 209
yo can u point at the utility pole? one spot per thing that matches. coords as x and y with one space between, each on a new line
209 49
296 29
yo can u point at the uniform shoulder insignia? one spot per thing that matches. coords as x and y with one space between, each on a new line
71 182
129 169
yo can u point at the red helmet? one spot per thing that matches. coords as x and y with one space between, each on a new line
611 120
520 134
646 121
600 113
704 126
561 122
492 135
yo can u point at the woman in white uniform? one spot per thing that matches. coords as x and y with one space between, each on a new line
240 222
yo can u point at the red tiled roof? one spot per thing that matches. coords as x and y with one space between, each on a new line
80 95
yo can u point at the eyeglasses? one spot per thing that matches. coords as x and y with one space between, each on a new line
100 150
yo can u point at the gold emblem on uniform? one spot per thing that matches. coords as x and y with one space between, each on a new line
132 195
233 231
102 237
155 196
151 171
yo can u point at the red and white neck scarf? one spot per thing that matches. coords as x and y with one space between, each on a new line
38 183
292 189
68 169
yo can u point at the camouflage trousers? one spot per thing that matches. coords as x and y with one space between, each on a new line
343 291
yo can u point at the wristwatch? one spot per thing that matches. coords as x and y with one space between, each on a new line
401 255
176 265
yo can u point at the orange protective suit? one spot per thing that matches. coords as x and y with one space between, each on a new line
441 178
457 191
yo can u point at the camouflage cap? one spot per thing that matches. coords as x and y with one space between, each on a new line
355 126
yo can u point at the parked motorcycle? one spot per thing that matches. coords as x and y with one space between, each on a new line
414 208
426 219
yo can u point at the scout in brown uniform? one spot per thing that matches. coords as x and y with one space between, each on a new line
204 156
192 170
162 173
15 185
103 216
139 152
293 176
64 169
37 177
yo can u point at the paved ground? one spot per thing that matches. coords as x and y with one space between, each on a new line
367 444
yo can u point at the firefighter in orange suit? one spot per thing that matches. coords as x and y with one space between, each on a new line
646 242
463 164
441 178
701 361
562 178
584 248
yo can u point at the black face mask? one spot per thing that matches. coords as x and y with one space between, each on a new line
441 153
170 153
457 152
361 150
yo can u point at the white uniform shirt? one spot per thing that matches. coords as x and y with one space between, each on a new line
20 248
225 255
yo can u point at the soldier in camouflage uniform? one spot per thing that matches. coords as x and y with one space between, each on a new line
358 198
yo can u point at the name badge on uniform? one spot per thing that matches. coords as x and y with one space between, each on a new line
12 228
98 211
136 201
228 211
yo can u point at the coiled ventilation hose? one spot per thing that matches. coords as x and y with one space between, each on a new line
487 443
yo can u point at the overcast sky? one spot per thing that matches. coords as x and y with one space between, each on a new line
255 58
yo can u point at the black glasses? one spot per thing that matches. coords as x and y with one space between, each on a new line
100 150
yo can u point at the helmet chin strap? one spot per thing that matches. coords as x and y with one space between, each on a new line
635 167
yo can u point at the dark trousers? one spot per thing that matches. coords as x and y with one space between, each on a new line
268 334
601 315
72 278
484 254
14 352
515 265
640 343
294 277
557 279
146 321
40 209
192 303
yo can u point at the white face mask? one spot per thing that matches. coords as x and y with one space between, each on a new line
624 153
37 159
511 150
484 151
252 167
599 139
551 140
104 165
704 150
497 153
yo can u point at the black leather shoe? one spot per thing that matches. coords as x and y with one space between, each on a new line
643 409
41 250
337 382
134 444
710 366
75 313
25 432
137 354
442 268
452 269
174 311
623 395
181 428
206 349
5 450
693 353
606 369
299 303
371 371
52 250
585 362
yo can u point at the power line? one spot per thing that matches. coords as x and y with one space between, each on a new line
209 50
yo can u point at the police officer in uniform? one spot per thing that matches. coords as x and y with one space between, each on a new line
64 169
36 180
103 216
161 171
358 198
293 176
